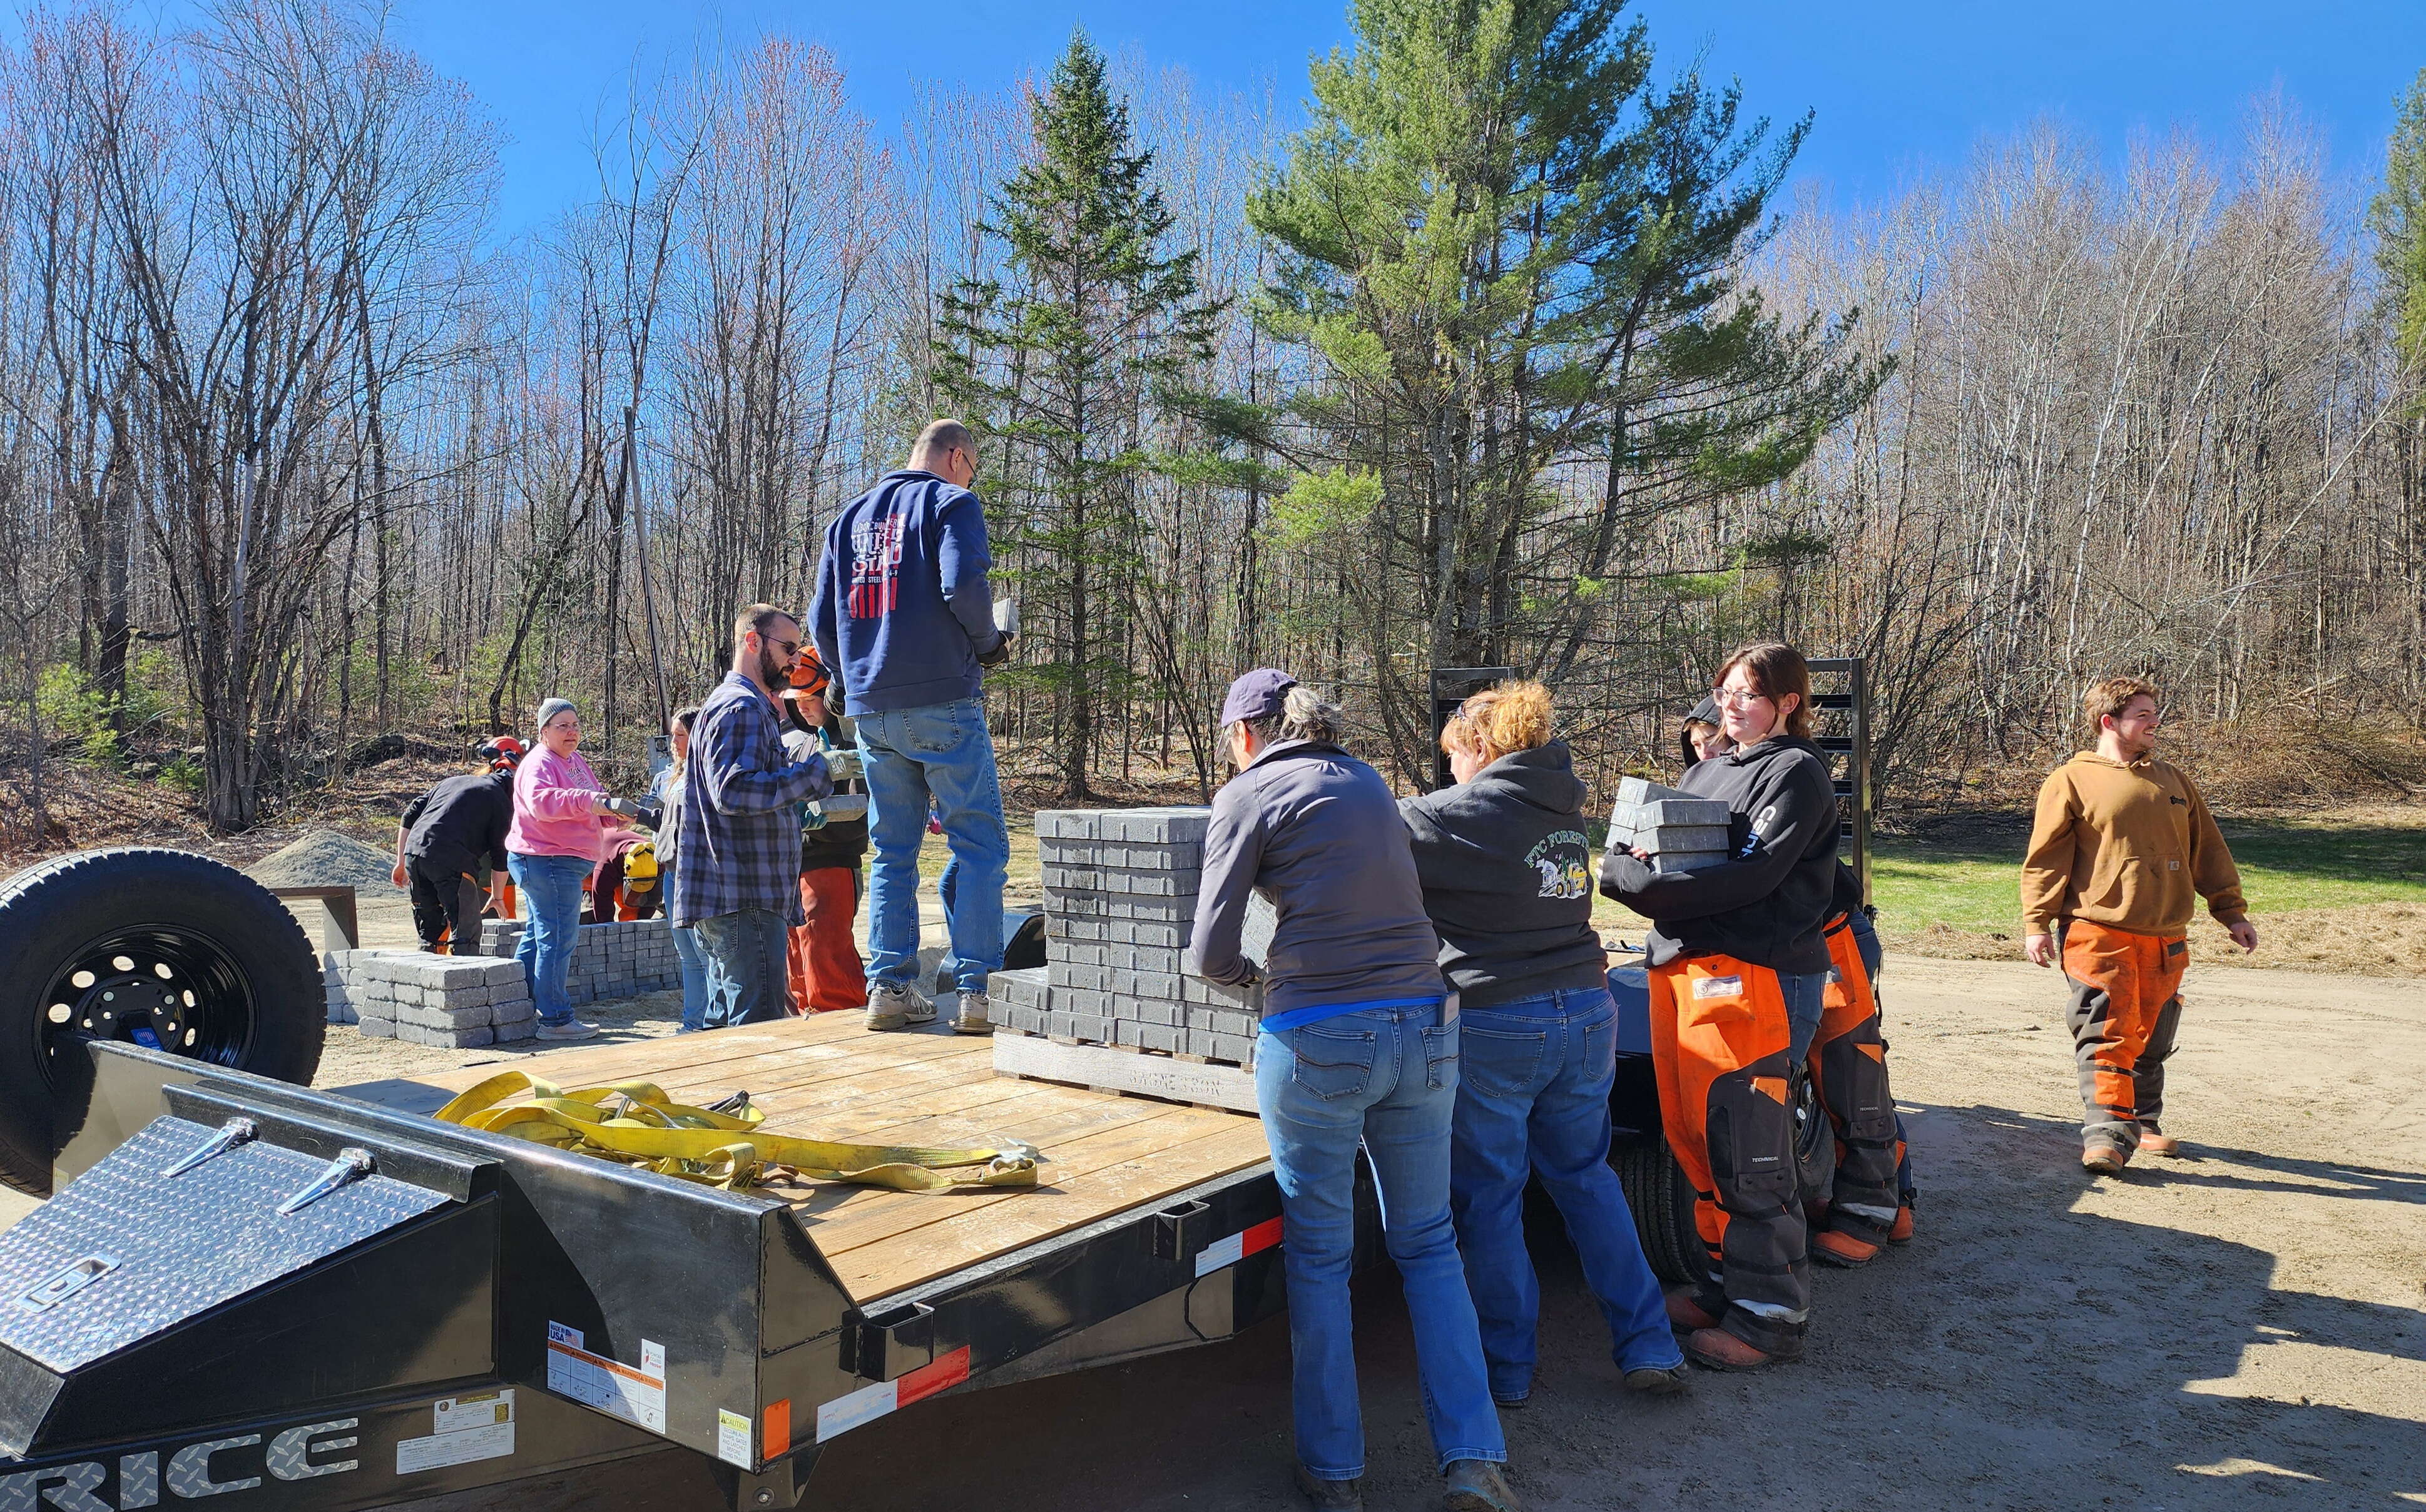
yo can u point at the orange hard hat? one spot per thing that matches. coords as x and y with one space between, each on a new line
809 677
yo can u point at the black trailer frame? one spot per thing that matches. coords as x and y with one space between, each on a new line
485 1284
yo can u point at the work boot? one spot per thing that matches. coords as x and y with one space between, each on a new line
1656 1380
972 1019
1717 1349
1477 1486
1832 1246
1330 1496
2158 1144
2101 1159
893 1007
1901 1233
569 1029
1686 1313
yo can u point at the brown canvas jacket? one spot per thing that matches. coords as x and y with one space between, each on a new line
2125 846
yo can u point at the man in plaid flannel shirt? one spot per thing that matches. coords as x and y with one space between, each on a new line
737 830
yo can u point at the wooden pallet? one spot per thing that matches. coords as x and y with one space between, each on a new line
1121 1069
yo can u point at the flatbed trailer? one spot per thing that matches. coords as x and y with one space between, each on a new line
467 1311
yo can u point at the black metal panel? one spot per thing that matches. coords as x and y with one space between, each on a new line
458 1176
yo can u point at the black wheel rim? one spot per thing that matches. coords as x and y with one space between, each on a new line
157 986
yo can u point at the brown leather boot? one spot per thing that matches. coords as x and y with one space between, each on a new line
1901 1233
2102 1159
1717 1349
1686 1315
2158 1144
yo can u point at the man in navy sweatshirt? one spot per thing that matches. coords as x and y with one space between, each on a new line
904 620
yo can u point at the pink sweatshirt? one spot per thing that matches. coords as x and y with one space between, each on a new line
552 817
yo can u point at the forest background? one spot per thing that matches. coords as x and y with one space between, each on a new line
1512 353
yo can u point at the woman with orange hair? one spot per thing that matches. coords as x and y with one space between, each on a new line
1506 869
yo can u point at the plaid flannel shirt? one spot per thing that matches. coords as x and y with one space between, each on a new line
735 830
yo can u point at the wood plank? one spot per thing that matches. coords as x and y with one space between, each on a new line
1125 1070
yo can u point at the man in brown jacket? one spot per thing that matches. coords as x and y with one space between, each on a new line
2120 842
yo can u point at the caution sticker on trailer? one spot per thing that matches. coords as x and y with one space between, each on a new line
732 1437
1238 1247
870 1403
462 1429
634 1393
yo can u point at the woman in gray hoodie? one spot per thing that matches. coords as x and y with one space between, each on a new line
1358 1050
1507 875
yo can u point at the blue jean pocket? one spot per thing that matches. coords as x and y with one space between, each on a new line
1330 1063
1440 1056
1499 1061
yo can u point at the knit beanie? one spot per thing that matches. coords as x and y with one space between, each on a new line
550 708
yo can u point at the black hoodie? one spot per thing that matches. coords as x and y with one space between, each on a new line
1766 903
1507 875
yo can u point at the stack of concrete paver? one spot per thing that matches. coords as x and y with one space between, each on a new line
1120 900
454 1003
1677 830
611 960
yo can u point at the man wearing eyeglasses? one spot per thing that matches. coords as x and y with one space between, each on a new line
736 827
904 619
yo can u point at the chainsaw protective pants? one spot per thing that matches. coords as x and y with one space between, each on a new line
2126 1004
1721 1046
827 975
1849 1071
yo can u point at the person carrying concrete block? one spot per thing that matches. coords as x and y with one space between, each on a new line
827 974
904 616
446 837
1507 875
1358 1050
1738 968
2120 844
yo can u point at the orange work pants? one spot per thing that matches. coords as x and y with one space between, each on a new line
2125 1005
1849 1071
1719 1046
826 972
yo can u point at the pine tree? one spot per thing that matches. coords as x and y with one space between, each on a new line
1058 361
1512 254
2398 218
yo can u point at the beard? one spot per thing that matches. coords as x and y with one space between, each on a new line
770 671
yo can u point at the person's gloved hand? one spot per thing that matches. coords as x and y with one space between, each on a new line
799 746
1000 653
845 766
624 807
812 817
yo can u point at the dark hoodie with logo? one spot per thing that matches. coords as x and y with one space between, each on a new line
1764 904
1507 874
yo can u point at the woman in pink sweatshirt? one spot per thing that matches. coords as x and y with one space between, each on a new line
562 814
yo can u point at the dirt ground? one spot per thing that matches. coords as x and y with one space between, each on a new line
2240 1329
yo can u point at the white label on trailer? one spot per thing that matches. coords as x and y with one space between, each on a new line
731 1438
465 1429
636 1394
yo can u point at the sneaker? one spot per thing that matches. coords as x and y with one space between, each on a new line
1477 1486
1656 1380
894 1006
1686 1313
971 1018
1330 1496
1717 1349
1831 1247
2154 1143
569 1029
2102 1160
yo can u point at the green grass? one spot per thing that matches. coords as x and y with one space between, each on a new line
1970 880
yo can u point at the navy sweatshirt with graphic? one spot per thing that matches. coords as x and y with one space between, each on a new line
1507 875
903 607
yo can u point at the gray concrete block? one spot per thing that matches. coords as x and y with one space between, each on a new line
375 1028
1161 1037
1079 1000
1679 838
445 1038
1157 826
501 972
1129 881
1237 1048
1071 974
1092 1028
1145 984
1080 903
1183 856
1070 823
1222 1021
1154 1010
511 1010
1202 1042
1213 994
1688 860
427 1017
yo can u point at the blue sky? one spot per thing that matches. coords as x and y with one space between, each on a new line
1897 84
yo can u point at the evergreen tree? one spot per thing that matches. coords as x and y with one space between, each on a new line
1058 361
2397 217
1513 254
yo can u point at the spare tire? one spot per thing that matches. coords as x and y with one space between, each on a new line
161 948
1662 1202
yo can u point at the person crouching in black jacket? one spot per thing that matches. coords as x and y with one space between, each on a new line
1738 971
1505 873
444 839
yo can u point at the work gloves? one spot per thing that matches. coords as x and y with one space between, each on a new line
625 807
844 765
1000 653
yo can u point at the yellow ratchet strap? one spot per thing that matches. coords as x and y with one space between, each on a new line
634 1123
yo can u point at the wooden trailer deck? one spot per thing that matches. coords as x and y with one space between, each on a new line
825 1076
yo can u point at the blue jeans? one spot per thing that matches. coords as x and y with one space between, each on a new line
746 953
1534 1079
1385 1079
1805 1002
941 753
551 889
693 963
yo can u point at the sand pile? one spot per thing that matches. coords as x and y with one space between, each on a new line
325 857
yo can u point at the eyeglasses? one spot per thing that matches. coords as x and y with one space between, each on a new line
791 648
1737 698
